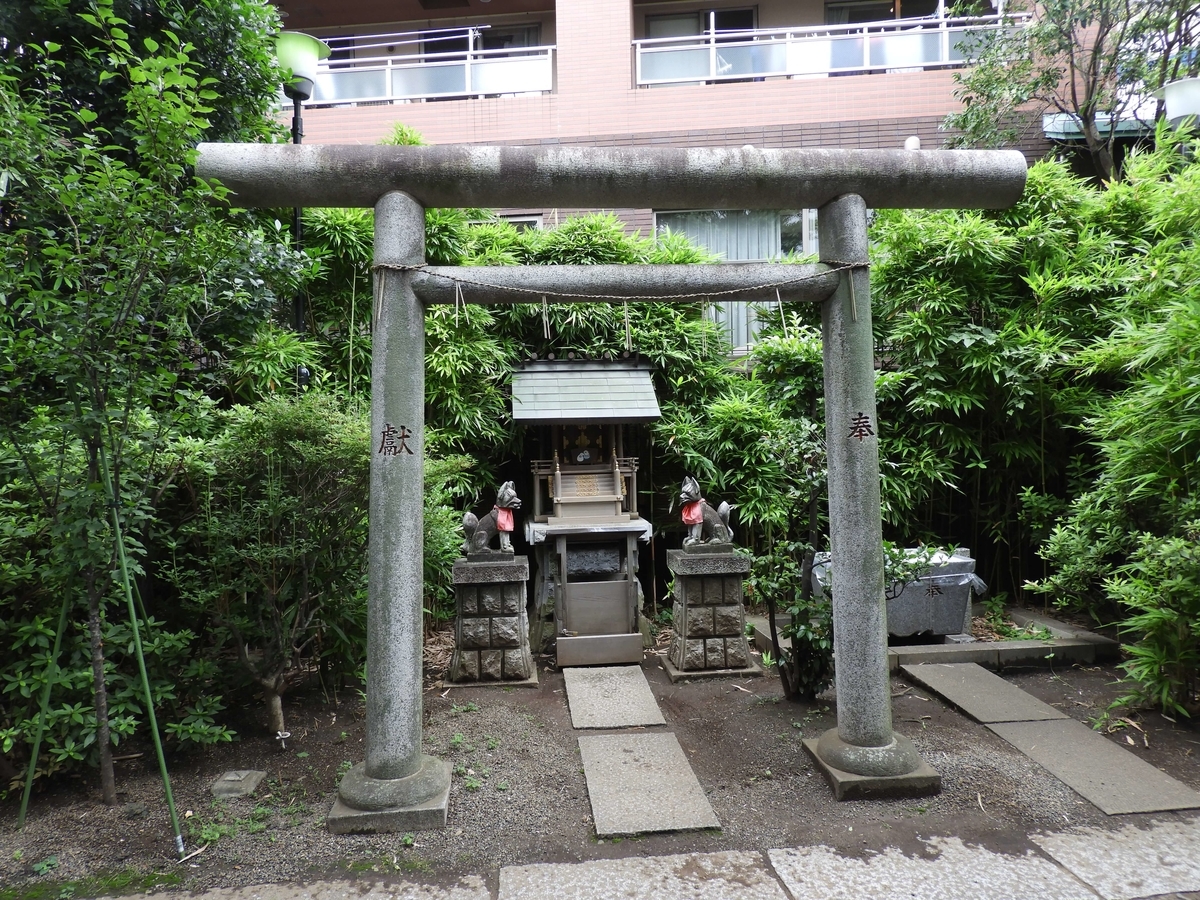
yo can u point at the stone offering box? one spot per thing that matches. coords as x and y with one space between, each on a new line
709 615
939 602
491 631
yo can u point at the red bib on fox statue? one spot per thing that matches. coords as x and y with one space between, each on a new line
504 519
693 513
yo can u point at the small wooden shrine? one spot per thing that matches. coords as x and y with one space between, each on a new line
582 522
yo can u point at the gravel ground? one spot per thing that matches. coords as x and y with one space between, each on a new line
519 796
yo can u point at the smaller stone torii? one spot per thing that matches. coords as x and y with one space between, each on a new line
398 788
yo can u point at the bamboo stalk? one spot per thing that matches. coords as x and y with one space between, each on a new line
137 643
51 675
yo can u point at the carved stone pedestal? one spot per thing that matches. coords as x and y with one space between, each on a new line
491 631
709 616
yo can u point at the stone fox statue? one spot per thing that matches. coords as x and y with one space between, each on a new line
707 525
480 532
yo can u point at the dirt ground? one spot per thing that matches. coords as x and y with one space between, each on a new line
518 793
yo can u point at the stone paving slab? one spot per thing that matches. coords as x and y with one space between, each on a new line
238 783
982 653
731 875
948 871
1131 861
470 887
612 697
642 782
982 695
1112 778
1106 648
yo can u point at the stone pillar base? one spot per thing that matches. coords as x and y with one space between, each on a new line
709 616
897 758
381 805
920 782
491 631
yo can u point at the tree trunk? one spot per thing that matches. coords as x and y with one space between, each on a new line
274 701
108 784
272 686
1098 147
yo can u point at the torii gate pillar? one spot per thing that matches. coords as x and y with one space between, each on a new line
397 788
863 754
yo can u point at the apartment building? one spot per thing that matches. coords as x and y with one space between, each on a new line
772 73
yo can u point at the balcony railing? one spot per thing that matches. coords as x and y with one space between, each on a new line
813 51
470 72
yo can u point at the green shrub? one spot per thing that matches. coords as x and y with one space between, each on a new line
268 365
443 534
806 641
275 554
1160 586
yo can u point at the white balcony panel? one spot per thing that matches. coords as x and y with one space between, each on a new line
846 52
814 50
809 56
419 76
757 59
512 75
674 64
906 51
340 85
429 80
962 41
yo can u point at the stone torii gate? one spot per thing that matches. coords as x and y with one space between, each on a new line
398 788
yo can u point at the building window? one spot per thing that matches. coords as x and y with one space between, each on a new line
858 11
510 37
705 21
504 37
744 235
524 223
855 12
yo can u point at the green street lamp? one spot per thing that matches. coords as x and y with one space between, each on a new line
299 53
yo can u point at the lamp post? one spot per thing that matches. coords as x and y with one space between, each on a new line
299 53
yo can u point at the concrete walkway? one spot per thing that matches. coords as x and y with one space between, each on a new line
1108 776
1151 858
1159 860
650 767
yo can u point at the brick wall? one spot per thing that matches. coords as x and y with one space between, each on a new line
880 133
582 109
593 58
596 104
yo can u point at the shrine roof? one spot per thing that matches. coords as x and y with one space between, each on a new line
548 392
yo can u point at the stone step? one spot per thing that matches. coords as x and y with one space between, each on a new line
1136 860
1106 648
1110 777
945 869
611 697
640 782
731 875
982 695
1069 644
